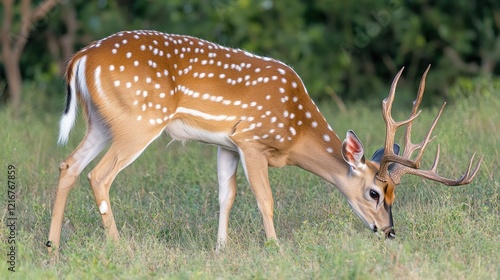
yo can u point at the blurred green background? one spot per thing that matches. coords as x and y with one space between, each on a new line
345 50
347 53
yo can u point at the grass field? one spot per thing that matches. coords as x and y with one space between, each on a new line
166 209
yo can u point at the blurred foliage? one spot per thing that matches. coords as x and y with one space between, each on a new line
477 87
350 49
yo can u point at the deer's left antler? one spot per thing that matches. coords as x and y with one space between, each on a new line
404 163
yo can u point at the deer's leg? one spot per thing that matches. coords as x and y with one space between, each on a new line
94 142
123 151
255 165
227 163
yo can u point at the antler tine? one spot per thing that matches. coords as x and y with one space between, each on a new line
391 127
421 89
475 169
431 174
392 92
409 146
436 159
427 138
387 109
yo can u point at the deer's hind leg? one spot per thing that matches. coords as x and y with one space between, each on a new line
95 141
122 152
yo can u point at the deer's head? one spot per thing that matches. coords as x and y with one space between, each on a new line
369 186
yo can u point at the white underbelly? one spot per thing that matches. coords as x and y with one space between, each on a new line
180 131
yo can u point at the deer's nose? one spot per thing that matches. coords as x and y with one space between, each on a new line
390 233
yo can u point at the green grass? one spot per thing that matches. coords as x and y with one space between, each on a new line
166 209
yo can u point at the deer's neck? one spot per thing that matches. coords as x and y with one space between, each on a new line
319 152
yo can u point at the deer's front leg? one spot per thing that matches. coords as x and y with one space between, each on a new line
227 163
255 165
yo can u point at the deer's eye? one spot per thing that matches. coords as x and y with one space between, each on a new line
374 195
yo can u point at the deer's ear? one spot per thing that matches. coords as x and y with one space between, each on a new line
377 156
352 151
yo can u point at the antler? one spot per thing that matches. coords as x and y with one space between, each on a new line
405 165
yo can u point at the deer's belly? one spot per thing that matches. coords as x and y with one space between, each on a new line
181 131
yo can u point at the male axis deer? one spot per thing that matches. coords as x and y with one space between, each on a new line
135 85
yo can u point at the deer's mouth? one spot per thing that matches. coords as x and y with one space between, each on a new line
388 231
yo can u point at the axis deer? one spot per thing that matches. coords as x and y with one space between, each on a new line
135 85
